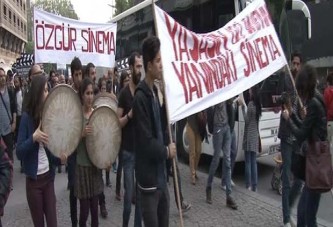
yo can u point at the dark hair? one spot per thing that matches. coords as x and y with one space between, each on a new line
329 78
123 76
306 81
35 103
257 100
51 72
83 87
2 70
150 48
296 54
87 69
100 80
75 65
19 79
131 60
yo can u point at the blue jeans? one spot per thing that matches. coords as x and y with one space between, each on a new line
251 172
221 141
233 155
128 167
307 208
289 192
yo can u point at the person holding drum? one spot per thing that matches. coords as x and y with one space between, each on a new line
76 72
88 178
37 160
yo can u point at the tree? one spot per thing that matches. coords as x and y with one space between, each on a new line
122 5
58 7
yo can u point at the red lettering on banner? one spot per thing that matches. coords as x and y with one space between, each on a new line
57 27
40 28
209 75
172 32
255 53
258 19
182 39
275 50
83 35
59 37
247 69
51 28
181 78
236 31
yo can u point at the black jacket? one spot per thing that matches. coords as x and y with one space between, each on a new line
149 152
315 123
287 86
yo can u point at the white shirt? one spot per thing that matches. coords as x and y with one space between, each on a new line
43 161
19 100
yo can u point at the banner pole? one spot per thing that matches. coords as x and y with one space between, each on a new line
294 86
175 174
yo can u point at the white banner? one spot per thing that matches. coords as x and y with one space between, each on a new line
59 40
201 70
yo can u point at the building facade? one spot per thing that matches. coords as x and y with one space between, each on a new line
13 30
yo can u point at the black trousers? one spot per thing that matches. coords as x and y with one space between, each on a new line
9 141
73 206
155 208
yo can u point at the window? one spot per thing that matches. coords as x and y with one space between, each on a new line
25 28
10 15
14 17
24 6
5 10
18 23
21 26
21 3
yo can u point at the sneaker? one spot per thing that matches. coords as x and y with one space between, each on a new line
231 203
186 206
209 195
104 212
233 183
223 187
287 225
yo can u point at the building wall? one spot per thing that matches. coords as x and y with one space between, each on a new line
13 29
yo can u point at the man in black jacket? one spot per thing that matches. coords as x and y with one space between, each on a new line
288 143
151 153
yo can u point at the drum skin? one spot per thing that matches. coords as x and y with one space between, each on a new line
107 99
62 120
104 143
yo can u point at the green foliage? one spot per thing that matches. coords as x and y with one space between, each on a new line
123 5
29 48
58 7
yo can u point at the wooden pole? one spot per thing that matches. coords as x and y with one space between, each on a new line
175 176
294 86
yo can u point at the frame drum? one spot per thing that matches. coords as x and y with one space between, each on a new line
62 120
104 144
107 99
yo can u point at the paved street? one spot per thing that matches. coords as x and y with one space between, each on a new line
254 209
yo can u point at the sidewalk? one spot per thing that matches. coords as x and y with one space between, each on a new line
254 209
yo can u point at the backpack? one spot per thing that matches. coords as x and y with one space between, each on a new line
210 119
